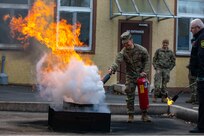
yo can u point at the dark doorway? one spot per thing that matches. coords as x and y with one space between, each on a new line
142 34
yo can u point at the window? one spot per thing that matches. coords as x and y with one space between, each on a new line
72 10
79 11
187 11
13 8
184 36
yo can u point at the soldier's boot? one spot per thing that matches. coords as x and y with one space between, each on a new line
154 99
164 99
130 118
190 101
145 117
196 99
155 95
196 102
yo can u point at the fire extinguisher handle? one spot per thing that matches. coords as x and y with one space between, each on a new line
143 74
146 84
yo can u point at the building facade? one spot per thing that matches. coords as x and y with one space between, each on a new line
103 21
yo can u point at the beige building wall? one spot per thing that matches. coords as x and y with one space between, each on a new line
107 43
20 67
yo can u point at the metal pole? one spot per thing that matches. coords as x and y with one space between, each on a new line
3 58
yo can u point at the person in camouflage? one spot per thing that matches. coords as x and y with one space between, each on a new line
163 62
192 83
137 63
193 87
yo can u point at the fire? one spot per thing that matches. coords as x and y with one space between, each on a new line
60 37
63 72
6 17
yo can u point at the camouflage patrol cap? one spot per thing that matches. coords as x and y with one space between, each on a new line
125 37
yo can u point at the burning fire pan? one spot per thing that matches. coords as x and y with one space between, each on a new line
78 118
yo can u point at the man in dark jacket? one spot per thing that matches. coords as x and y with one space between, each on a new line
197 69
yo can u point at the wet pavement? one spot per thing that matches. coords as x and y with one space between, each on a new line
20 122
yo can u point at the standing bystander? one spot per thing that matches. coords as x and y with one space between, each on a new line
193 87
163 62
192 83
197 69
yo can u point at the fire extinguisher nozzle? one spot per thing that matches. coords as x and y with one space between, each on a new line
106 78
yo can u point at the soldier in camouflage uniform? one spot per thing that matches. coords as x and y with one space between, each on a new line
137 62
192 83
163 62
193 87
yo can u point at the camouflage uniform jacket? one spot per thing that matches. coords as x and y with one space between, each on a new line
164 59
136 59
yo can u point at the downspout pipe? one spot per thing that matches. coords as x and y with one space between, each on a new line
3 76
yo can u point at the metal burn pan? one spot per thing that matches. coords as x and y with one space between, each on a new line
79 107
79 121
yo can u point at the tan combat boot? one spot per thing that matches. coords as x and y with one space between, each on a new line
164 99
190 101
130 118
145 117
154 99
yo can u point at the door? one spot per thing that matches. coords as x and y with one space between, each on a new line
141 32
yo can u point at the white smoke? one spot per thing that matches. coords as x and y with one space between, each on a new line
79 83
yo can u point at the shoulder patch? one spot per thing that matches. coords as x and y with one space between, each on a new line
202 43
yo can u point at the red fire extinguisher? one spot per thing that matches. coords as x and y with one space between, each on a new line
142 84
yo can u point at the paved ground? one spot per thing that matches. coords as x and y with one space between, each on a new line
28 123
36 123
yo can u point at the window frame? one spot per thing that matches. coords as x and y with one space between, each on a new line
191 16
7 46
92 33
183 52
92 25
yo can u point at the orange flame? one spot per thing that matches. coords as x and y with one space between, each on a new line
6 17
60 37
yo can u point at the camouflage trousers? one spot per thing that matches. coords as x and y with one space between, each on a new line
130 92
193 87
130 88
161 78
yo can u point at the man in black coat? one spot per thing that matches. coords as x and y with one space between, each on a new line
197 69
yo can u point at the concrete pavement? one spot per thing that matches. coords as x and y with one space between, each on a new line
21 101
35 123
